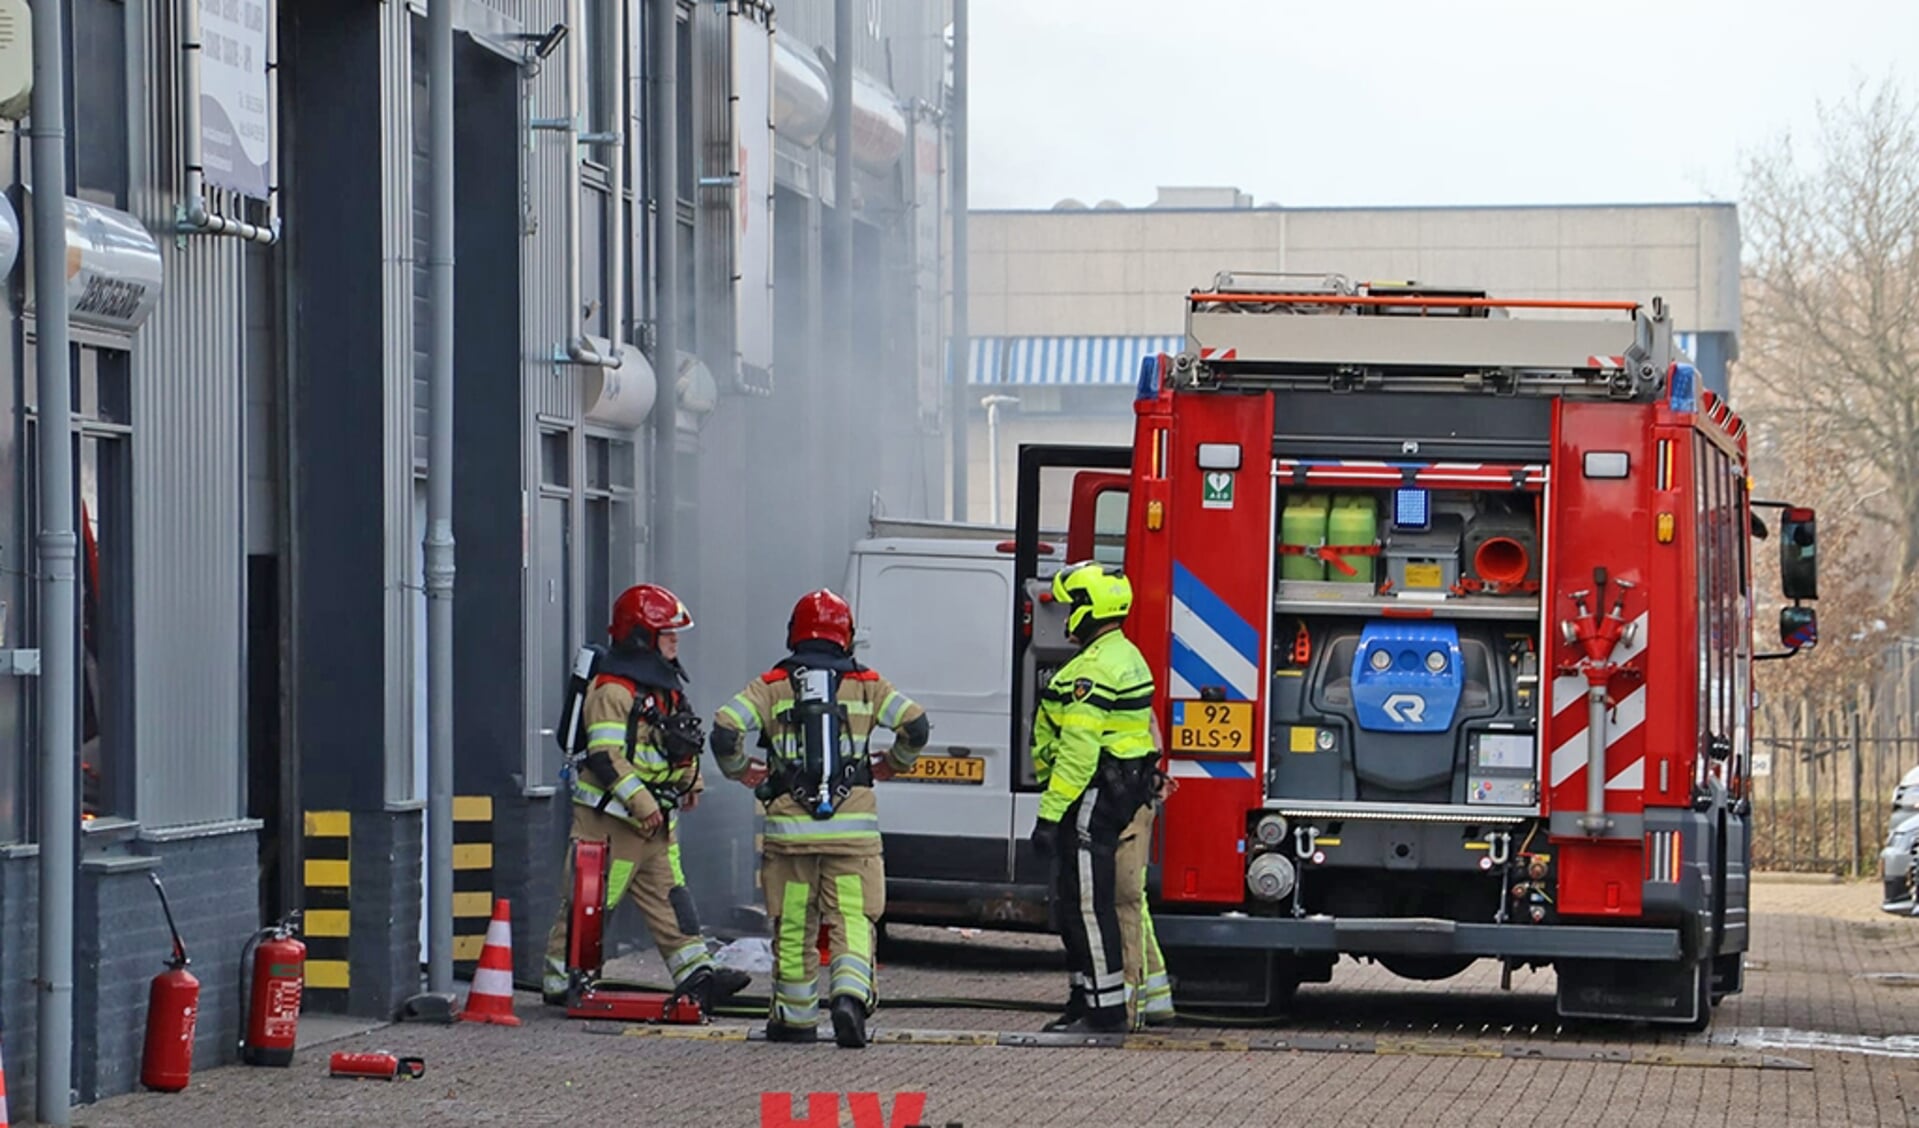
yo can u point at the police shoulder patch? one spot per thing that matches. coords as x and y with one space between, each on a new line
1081 688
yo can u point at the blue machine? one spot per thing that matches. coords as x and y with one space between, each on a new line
1407 677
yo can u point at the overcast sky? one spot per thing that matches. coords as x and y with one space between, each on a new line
1407 102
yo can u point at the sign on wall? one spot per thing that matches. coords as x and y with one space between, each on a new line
235 124
114 270
752 36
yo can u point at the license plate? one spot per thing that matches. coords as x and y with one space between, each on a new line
1218 727
945 769
1423 575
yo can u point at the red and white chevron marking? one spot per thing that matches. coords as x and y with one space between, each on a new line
1606 362
1219 354
1624 723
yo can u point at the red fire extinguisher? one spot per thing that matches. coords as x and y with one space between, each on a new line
173 1007
273 997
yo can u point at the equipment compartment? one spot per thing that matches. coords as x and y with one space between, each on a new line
1464 553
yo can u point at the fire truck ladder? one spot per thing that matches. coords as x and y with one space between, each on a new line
1386 337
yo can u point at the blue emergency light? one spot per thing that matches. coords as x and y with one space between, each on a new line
1684 382
1412 509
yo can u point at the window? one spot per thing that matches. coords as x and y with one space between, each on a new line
1109 527
98 78
609 519
102 523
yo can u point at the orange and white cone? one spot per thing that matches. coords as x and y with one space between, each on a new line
491 998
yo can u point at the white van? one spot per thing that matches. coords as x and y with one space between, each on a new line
933 611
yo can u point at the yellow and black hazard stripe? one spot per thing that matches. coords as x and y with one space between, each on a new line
327 920
472 879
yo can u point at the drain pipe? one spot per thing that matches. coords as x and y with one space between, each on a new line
192 216
578 350
439 547
664 126
59 819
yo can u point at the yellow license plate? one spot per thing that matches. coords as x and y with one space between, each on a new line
1423 575
1220 727
945 769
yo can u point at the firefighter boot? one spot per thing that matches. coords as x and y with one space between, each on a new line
849 1022
727 982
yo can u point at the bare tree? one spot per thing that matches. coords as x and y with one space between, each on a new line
1831 319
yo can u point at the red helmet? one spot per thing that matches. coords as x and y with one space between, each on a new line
822 615
649 608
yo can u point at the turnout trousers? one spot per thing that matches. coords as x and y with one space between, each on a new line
1149 993
845 892
1086 883
641 869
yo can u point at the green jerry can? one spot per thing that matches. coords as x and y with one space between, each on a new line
1302 524
1353 522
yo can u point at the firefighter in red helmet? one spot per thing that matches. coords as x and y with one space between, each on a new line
640 768
816 711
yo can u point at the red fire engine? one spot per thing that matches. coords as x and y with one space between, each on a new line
1450 603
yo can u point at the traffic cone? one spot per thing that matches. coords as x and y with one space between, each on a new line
491 997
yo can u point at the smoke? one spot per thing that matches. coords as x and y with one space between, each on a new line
785 482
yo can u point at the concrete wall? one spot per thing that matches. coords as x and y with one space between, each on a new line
1123 271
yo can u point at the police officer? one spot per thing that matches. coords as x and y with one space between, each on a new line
816 711
1093 751
641 767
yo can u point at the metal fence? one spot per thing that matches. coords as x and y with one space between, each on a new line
1823 783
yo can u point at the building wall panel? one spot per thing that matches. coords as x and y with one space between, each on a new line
189 481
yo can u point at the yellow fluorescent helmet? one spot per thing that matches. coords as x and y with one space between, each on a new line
1093 591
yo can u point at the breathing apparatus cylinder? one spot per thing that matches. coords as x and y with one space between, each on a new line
820 733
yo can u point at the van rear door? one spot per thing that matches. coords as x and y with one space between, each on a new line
935 625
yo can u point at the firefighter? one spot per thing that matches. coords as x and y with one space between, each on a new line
1149 993
642 767
816 711
1093 749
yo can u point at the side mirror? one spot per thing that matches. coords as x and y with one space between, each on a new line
1798 554
1798 628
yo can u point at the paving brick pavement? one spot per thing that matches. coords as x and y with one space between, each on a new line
1811 978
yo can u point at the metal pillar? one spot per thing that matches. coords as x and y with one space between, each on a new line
960 346
664 127
439 505
59 752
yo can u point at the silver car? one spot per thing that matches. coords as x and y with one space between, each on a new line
1905 799
1896 871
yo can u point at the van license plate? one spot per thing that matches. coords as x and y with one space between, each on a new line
1218 727
945 769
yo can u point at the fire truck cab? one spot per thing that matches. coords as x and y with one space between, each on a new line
1450 604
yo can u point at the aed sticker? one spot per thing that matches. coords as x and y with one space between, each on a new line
1217 490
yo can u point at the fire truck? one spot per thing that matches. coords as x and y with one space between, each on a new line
1450 601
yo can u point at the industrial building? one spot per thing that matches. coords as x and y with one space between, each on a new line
249 299
1065 301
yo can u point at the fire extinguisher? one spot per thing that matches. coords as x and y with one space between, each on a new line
173 1007
273 997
